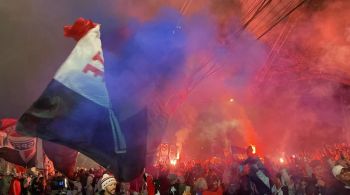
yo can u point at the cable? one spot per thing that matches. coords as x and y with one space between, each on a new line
283 17
262 6
280 12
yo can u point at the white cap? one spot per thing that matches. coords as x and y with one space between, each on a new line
337 170
107 180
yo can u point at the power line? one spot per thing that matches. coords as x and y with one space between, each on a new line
283 17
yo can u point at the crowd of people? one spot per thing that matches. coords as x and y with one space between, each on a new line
326 172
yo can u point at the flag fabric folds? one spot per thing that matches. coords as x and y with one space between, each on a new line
75 110
26 146
13 156
22 150
62 157
16 148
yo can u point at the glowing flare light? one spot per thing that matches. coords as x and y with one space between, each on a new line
254 149
281 160
173 162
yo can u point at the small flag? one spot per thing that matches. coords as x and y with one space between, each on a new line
22 150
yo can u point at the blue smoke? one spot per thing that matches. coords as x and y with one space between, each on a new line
151 56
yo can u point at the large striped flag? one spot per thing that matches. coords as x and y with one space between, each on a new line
75 110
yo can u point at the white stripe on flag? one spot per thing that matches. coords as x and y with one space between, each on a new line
83 72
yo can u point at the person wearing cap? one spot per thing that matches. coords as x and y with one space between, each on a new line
343 175
108 185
